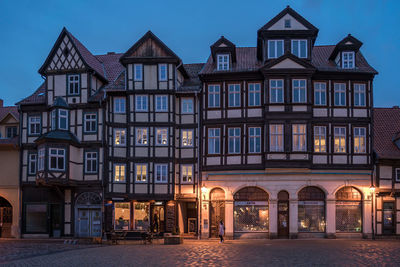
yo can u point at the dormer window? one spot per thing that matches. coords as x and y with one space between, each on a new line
348 60
275 48
73 84
299 48
223 62
287 23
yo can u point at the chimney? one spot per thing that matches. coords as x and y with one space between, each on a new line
393 106
1 103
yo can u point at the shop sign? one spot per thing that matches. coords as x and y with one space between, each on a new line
251 203
312 203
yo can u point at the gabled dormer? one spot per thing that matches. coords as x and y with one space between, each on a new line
223 53
345 52
286 32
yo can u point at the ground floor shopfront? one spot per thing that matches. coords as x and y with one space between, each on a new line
287 205
9 211
387 215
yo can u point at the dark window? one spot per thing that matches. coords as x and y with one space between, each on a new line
73 84
90 122
287 23
36 218
11 131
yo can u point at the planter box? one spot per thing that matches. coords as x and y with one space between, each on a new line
173 240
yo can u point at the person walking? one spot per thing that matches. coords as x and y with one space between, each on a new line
221 231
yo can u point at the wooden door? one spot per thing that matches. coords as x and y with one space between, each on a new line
388 218
83 222
283 219
217 213
5 221
95 222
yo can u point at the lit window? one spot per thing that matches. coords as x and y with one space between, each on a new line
63 119
187 173
275 48
34 125
299 91
73 84
254 94
276 91
187 138
359 140
233 140
340 139
57 159
32 164
91 162
347 60
90 122
254 139
359 95
162 72
319 139
213 141
41 154
161 137
223 62
299 137
141 172
138 72
213 96
161 173
119 137
187 105
122 215
119 104
234 95
299 48
276 138
119 173
161 103
141 136
340 94
141 103
320 94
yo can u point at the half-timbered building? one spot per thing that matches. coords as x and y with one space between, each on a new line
286 135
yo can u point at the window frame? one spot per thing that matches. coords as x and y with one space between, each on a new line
90 121
360 95
276 88
135 72
63 169
339 136
320 138
214 139
236 95
320 91
30 124
353 60
121 144
276 135
214 95
10 133
160 72
66 117
237 147
297 135
142 129
363 148
161 98
186 99
162 166
157 134
119 105
299 41
299 89
30 161
397 175
95 159
41 159
253 93
115 172
224 64
254 136
275 41
339 91
183 166
78 83
141 109
141 181
182 137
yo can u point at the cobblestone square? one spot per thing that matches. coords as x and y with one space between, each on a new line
316 252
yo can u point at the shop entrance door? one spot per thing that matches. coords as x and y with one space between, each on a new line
5 218
388 218
217 213
55 220
158 219
283 214
89 222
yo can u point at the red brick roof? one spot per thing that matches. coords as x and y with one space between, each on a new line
38 97
386 128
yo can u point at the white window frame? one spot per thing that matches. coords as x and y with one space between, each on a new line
57 156
144 105
213 138
75 82
397 174
185 171
33 122
359 94
117 172
53 117
234 135
90 118
223 62
143 135
187 106
185 136
163 178
142 171
90 158
254 136
234 90
299 41
339 89
361 134
162 132
339 133
41 159
162 72
350 62
297 90
138 72
214 90
319 136
254 91
119 105
276 48
62 116
299 134
276 88
274 136
32 159
320 93
161 103
122 137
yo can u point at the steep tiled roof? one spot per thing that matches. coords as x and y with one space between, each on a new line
386 128
4 111
112 66
38 97
59 135
192 83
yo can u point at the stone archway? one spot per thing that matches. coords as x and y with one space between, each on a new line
5 217
348 210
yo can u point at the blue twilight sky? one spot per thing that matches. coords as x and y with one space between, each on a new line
28 30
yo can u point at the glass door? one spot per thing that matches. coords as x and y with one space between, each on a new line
388 218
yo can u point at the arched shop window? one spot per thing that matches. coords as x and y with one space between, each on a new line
251 210
217 194
348 210
311 210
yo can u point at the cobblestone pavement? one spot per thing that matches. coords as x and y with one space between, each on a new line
232 253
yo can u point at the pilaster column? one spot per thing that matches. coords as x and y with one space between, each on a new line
205 223
331 218
229 219
367 217
293 218
273 218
